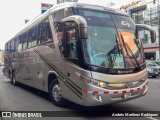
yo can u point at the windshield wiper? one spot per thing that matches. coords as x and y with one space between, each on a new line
112 59
128 49
114 52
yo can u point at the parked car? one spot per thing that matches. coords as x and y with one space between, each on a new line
158 65
153 69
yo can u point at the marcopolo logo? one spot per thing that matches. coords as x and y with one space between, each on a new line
125 23
6 114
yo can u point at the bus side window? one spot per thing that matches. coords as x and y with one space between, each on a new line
16 44
57 17
29 38
9 47
44 32
12 45
19 43
25 40
32 37
6 47
68 12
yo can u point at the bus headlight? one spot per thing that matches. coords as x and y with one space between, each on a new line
98 83
94 82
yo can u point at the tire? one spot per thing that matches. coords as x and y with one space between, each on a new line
55 93
14 82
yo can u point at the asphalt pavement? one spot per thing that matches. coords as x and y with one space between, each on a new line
24 98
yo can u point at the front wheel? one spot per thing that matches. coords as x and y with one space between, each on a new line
55 93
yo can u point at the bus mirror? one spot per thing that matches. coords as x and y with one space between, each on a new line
81 23
149 28
84 33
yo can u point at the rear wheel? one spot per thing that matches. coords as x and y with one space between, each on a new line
55 93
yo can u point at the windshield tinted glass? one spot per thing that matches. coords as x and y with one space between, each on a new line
128 32
106 32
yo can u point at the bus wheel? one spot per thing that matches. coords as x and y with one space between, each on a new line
13 79
55 93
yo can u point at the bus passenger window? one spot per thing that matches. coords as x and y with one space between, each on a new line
25 40
68 12
58 15
32 37
20 43
12 46
7 47
44 32
16 44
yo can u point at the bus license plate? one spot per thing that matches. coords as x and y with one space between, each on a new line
126 95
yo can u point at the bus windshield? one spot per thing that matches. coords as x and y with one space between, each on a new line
113 40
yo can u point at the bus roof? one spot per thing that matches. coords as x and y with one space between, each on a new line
62 6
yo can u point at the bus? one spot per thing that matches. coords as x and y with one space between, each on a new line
88 54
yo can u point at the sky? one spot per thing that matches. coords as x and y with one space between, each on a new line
14 13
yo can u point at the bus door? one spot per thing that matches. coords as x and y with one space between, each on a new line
73 70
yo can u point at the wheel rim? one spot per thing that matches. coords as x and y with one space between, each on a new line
56 93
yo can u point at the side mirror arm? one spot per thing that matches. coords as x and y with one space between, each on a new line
147 27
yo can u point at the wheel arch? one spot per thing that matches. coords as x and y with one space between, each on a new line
51 76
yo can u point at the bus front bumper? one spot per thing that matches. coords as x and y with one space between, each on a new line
95 96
